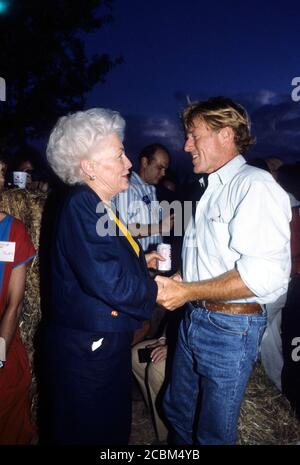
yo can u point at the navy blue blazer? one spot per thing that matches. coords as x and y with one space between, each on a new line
94 275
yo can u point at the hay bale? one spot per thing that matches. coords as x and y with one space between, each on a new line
266 416
27 206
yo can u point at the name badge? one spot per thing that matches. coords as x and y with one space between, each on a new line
146 200
7 251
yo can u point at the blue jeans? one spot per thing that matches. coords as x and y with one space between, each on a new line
213 361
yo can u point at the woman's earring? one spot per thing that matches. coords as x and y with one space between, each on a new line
92 178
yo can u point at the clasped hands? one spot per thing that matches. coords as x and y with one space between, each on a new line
172 292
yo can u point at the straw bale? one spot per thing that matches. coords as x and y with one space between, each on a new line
27 206
266 416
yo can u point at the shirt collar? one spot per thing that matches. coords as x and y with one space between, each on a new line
225 174
136 179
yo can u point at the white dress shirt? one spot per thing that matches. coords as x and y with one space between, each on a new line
241 222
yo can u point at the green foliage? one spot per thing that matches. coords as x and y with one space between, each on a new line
45 65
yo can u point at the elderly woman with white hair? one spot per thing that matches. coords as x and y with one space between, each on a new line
102 289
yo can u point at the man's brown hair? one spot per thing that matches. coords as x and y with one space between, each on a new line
218 113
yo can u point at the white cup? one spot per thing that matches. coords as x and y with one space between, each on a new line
20 179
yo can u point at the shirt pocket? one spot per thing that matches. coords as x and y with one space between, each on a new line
217 238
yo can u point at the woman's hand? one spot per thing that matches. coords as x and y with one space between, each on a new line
151 259
177 277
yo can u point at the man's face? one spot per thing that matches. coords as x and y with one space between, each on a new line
26 166
155 170
205 146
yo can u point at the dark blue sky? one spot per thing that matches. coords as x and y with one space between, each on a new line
245 50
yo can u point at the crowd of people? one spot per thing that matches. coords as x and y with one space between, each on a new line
232 296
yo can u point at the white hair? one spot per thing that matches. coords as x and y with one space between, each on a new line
73 136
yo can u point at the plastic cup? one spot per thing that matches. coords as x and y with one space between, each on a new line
20 179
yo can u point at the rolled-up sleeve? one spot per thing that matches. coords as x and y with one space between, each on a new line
260 234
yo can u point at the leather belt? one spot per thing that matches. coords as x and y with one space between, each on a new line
224 307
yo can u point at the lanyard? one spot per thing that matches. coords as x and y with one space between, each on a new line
126 233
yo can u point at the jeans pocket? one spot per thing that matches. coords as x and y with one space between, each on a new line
232 324
260 334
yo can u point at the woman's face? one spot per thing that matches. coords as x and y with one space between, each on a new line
110 165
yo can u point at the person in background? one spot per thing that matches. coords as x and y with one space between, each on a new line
101 290
138 205
139 208
236 258
271 343
153 375
16 252
271 351
289 178
150 376
29 160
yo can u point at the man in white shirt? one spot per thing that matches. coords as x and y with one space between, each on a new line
236 258
138 205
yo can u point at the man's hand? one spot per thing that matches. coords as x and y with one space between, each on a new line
151 259
227 286
171 292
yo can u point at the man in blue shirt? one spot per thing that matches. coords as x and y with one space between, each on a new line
138 206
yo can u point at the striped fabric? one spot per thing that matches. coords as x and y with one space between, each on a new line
138 204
